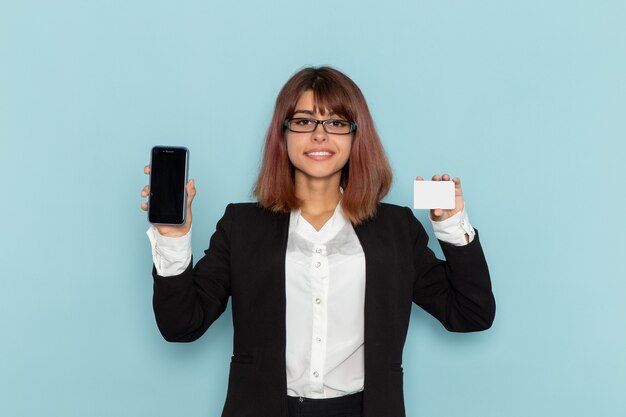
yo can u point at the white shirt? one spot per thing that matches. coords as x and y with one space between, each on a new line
325 291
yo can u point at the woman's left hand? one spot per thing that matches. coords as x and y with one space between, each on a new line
438 214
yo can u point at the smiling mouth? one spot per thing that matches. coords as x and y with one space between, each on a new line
319 153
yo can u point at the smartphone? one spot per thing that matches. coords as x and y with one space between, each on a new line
167 203
433 194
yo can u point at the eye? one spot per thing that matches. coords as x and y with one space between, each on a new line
339 123
302 122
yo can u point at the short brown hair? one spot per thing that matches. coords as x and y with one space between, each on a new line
366 177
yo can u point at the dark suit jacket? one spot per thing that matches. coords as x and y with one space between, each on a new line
246 260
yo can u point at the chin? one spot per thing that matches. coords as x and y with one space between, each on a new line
319 174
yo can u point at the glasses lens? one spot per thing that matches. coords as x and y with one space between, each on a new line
337 126
302 125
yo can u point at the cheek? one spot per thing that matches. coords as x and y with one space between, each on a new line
346 150
292 148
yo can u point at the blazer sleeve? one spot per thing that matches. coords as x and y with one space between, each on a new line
457 291
185 305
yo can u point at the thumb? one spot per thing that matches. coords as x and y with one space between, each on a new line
191 191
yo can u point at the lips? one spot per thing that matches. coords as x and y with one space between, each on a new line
319 154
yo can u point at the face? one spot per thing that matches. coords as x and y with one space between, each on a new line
317 154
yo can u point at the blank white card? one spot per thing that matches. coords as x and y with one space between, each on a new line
433 194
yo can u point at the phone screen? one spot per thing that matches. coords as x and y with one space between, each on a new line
168 175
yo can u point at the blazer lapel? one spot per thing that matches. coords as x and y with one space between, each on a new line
278 256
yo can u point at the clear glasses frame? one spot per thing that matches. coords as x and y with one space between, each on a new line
312 125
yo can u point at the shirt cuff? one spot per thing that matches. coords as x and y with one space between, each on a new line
453 229
171 255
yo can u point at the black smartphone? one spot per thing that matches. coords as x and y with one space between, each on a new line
169 166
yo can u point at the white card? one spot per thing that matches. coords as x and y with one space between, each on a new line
433 194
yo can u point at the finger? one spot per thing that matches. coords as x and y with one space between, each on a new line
445 177
146 169
145 191
457 184
436 177
144 206
438 212
419 178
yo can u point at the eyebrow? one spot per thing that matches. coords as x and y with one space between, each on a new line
311 113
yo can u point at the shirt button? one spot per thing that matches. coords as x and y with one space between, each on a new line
317 339
318 250
316 374
318 264
318 300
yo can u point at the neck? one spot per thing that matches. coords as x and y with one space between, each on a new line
318 195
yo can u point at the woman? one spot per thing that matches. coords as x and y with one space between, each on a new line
321 273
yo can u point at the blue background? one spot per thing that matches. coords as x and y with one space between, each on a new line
524 101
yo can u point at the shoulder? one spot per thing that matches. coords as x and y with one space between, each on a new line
250 225
244 206
392 226
251 214
388 209
393 213
392 218
251 208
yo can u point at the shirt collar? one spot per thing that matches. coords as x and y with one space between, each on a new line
299 225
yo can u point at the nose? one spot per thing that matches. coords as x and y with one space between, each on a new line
319 134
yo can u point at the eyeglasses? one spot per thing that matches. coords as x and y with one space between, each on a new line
334 126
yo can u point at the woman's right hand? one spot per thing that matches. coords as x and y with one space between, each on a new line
172 231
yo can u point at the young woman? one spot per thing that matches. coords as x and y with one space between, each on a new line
322 275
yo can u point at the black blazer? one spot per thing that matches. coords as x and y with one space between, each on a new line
246 260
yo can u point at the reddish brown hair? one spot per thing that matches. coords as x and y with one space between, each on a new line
366 177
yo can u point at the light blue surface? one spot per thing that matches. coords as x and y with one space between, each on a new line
524 101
